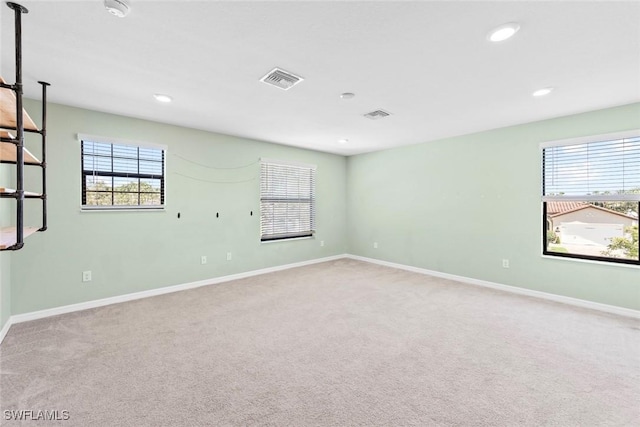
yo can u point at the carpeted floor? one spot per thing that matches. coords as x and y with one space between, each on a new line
343 343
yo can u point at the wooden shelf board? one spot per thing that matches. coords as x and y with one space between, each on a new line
8 153
8 235
6 190
8 110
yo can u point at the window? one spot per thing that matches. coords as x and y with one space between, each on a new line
287 200
121 176
591 198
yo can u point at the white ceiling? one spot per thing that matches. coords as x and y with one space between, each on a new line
428 63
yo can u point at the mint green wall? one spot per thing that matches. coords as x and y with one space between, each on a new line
7 207
458 205
5 287
461 205
135 251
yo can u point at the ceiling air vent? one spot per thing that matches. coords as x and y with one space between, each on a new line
281 79
378 114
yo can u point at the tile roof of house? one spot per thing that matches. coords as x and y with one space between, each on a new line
554 208
583 205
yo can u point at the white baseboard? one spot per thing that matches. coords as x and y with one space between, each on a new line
5 329
621 311
25 317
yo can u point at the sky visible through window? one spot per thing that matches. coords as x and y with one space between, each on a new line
125 158
593 168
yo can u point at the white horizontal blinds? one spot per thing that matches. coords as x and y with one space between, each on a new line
593 170
122 175
287 201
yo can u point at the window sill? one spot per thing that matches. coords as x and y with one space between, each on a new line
591 261
286 240
122 209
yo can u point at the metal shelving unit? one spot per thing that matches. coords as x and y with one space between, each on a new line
14 123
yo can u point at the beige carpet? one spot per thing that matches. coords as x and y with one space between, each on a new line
343 343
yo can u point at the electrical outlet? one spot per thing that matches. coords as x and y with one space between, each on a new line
228 256
321 242
86 276
203 260
505 263
375 245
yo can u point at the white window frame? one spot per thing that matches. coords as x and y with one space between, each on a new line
119 141
267 197
634 133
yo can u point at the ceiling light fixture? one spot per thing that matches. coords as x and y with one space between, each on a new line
347 95
343 141
119 8
503 32
542 92
162 98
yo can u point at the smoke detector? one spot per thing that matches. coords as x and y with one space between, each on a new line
281 79
118 8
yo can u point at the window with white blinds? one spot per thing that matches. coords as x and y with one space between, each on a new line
591 197
287 200
607 167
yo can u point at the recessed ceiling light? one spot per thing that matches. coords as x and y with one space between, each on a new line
162 98
343 141
543 92
503 32
347 95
